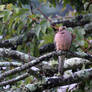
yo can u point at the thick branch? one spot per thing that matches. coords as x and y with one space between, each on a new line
73 64
76 21
18 40
58 81
32 71
47 48
44 57
15 55
14 80
8 64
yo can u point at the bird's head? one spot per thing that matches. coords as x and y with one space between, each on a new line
62 28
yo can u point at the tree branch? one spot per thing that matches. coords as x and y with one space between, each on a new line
47 48
14 80
48 70
76 21
18 40
8 64
8 53
32 71
73 64
51 82
44 57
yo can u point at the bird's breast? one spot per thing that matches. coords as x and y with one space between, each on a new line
63 40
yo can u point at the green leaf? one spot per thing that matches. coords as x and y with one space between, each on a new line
85 44
6 15
20 11
2 7
2 14
37 30
28 80
44 25
79 36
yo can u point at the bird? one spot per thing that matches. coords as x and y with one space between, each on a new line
63 40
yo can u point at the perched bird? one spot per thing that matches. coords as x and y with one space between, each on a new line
63 40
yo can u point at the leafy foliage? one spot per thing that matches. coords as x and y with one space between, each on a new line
14 20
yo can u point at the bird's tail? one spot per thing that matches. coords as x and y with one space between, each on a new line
61 64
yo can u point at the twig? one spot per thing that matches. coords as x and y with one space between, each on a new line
31 7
